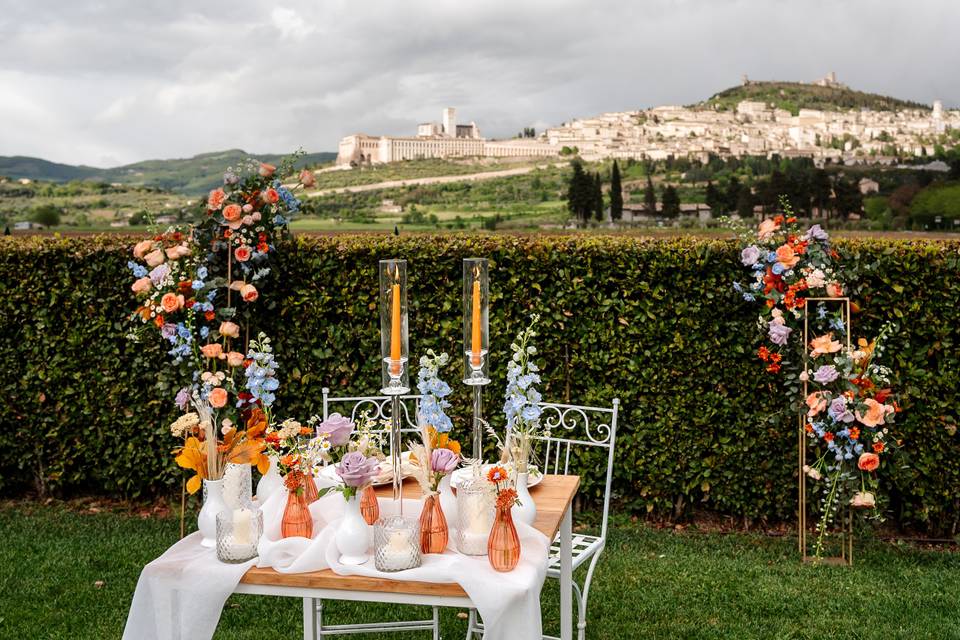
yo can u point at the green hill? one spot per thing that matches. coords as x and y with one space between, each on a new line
191 176
794 96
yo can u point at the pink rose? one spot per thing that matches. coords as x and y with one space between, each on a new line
216 199
271 196
212 350
834 290
234 358
256 216
356 470
443 460
266 170
307 178
338 429
823 345
249 293
154 258
767 227
178 251
171 302
229 329
142 248
247 220
242 253
218 397
141 285
231 212
247 208
236 285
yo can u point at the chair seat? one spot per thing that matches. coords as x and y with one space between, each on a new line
583 548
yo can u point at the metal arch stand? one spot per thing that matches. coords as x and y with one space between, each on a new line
846 532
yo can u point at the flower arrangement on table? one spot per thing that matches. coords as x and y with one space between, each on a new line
503 545
849 412
521 403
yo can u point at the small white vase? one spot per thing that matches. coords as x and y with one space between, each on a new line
212 505
448 500
270 483
353 535
526 511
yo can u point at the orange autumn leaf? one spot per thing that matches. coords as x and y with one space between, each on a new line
256 423
246 452
263 464
192 457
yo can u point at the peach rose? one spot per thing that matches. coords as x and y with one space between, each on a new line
178 251
247 220
234 358
216 199
863 500
834 290
218 397
142 248
230 329
868 462
816 402
154 258
242 253
236 285
171 302
307 178
141 285
271 196
787 257
824 344
212 350
256 216
231 212
875 413
249 293
266 170
766 229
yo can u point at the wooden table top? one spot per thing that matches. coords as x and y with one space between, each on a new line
552 496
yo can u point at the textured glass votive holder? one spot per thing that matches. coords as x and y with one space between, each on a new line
238 532
396 543
475 511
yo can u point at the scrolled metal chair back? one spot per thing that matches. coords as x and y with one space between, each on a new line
378 408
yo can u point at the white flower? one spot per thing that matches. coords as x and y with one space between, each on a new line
183 423
288 429
813 473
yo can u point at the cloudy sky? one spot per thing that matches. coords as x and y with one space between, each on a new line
106 82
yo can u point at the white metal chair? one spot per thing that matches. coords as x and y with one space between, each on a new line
379 409
567 426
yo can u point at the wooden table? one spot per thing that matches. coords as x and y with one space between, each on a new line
553 497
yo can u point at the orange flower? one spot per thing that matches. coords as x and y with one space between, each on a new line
497 474
767 227
763 353
215 199
249 293
824 344
868 462
171 302
232 212
878 447
266 170
816 402
828 436
787 257
212 350
506 498
854 433
218 398
875 413
193 456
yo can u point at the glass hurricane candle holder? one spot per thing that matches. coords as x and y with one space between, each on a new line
476 334
393 327
237 485
396 543
238 532
475 512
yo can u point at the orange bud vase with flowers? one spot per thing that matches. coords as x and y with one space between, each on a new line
503 545
297 520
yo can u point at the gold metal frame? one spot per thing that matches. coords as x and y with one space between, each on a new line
846 534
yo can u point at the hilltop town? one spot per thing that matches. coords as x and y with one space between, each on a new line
867 134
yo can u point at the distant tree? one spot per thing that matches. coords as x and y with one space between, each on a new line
616 194
597 197
732 195
580 196
714 199
670 202
820 191
745 204
847 196
6 230
47 215
650 198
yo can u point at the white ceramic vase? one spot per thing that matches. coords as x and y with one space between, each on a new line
270 483
212 505
448 500
526 511
353 535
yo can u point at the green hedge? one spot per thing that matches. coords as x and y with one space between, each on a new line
652 322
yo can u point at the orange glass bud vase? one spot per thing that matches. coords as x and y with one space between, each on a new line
297 520
433 526
310 488
503 545
369 507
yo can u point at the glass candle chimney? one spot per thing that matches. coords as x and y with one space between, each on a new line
393 327
476 335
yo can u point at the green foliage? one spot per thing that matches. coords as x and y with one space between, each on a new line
670 202
616 193
46 214
652 322
934 201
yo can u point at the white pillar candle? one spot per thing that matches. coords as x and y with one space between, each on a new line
241 526
396 553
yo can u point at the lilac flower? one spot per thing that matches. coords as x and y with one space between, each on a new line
839 412
779 333
356 470
825 374
443 460
183 398
816 233
750 256
168 330
159 273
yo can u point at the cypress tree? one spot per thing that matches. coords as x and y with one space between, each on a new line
650 198
579 193
616 194
597 197
670 202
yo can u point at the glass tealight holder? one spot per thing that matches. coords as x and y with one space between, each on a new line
394 349
238 532
237 485
476 333
475 512
396 543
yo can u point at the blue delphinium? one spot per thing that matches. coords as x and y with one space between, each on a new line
433 392
261 373
521 401
138 270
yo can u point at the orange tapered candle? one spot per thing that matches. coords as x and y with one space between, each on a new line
395 352
475 336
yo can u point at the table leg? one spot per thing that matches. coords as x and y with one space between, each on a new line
566 576
309 619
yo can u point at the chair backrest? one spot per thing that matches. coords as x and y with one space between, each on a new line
378 408
569 426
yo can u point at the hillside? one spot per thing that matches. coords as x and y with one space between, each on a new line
794 96
190 176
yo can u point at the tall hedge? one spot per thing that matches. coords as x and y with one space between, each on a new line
652 322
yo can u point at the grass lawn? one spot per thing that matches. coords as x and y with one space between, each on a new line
649 584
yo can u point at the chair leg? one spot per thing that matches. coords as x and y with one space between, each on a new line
582 600
436 623
311 618
473 626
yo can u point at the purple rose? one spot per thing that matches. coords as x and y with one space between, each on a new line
168 330
357 470
338 429
779 333
159 273
443 460
839 412
816 233
750 256
183 398
826 373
